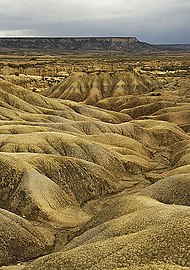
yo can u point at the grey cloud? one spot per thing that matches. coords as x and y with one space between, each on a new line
150 20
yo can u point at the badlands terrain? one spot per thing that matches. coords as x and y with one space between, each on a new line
95 161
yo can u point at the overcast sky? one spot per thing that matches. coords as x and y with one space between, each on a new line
154 21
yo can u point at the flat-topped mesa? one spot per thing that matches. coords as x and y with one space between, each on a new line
121 39
108 39
86 44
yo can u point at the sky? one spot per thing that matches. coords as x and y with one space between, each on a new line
153 21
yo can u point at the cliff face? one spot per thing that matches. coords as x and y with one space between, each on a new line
125 44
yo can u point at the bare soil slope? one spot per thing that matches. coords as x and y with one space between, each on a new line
95 174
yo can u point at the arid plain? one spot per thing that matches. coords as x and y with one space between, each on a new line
95 161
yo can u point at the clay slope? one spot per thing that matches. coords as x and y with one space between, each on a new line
20 240
103 186
131 231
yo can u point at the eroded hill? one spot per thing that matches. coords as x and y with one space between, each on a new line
95 174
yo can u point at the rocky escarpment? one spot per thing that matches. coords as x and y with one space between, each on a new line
124 44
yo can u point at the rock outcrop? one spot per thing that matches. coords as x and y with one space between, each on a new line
87 44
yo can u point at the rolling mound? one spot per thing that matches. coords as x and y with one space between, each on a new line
149 234
94 174
171 190
19 239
